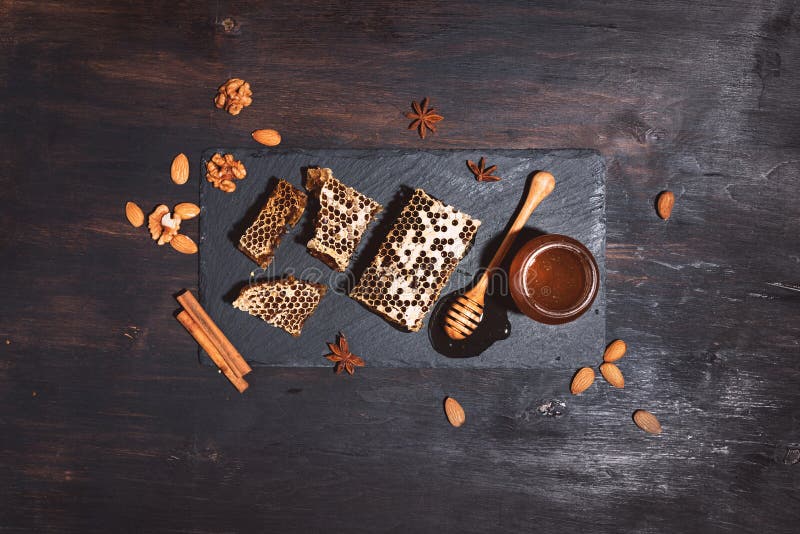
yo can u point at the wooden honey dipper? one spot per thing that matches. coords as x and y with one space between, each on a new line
467 311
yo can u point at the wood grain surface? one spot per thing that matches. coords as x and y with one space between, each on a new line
107 422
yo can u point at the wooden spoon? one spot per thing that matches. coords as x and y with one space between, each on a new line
467 311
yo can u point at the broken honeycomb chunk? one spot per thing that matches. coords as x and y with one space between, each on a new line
344 215
286 303
282 211
415 261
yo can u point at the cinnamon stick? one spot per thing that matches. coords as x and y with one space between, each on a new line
235 360
203 340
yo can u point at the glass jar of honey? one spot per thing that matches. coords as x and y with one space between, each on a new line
554 279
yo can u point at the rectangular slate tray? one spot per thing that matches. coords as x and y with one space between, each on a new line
575 208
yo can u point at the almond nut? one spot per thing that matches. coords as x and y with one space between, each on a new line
613 375
454 411
134 214
666 200
267 137
183 244
647 421
180 169
615 351
582 380
186 210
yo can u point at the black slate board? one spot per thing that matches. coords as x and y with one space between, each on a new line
576 208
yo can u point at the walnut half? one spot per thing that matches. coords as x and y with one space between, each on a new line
223 170
234 95
163 226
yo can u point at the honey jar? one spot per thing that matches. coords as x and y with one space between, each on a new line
554 279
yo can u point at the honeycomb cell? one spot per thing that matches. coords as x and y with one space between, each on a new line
283 209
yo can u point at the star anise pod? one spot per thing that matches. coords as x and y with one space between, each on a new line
482 174
345 360
423 118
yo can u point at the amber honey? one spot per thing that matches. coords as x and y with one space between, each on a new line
554 279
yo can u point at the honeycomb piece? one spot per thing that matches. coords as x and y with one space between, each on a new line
284 303
344 215
415 261
282 211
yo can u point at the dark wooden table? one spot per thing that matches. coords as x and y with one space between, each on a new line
108 423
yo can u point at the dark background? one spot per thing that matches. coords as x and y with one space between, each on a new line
108 423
